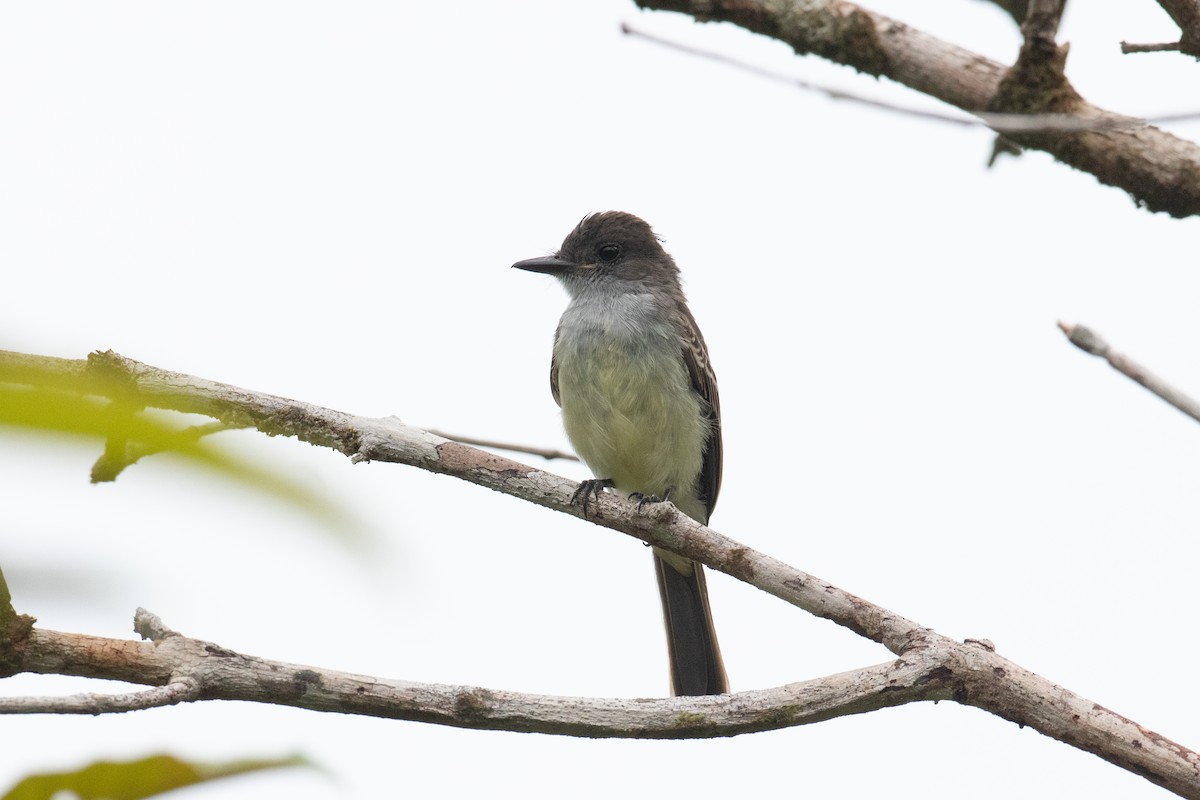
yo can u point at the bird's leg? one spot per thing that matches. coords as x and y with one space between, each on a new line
588 489
644 500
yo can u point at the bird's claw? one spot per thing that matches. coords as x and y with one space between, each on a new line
588 489
644 499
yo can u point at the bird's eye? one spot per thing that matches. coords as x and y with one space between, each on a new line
608 253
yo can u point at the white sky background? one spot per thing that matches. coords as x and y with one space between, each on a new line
322 200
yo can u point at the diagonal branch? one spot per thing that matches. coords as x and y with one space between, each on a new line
1090 342
1160 171
1000 122
928 666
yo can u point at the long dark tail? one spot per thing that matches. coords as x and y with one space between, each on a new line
696 666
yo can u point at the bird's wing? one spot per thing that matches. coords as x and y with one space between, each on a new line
554 371
704 383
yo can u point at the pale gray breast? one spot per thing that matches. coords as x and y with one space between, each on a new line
627 401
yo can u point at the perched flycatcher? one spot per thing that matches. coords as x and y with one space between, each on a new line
639 403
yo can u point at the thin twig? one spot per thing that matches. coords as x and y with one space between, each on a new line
1185 14
1089 342
1165 47
173 693
547 453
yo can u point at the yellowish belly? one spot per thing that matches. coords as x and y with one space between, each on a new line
634 419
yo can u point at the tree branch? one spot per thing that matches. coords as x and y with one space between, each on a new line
1040 27
96 704
935 668
201 670
929 666
1160 171
1090 342
1000 122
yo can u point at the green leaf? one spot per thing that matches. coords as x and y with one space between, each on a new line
71 407
131 780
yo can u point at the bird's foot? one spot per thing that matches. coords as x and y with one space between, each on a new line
588 489
644 500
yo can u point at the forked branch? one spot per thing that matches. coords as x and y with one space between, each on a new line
927 666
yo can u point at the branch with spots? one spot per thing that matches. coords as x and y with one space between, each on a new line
926 665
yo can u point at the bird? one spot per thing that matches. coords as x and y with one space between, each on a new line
631 373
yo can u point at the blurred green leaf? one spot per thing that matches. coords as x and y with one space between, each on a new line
131 780
72 404
60 411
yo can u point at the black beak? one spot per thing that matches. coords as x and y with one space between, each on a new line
551 265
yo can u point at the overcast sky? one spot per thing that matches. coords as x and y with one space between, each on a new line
322 201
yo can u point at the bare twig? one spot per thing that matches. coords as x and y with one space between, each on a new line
1164 47
1090 342
545 452
1186 14
173 693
